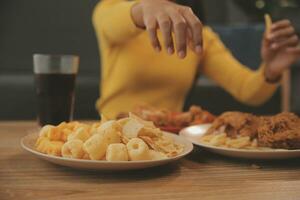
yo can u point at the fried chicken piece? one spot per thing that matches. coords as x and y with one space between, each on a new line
163 117
280 131
234 124
200 116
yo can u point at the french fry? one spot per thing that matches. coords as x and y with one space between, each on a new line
218 140
239 143
268 23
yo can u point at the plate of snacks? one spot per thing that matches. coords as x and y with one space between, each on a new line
171 121
244 135
129 143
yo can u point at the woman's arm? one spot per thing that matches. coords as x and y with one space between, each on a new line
280 49
119 20
249 87
112 19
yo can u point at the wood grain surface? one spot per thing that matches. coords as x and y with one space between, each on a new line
201 175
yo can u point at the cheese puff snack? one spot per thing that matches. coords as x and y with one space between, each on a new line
96 146
81 133
94 127
44 132
117 152
54 148
45 145
42 144
65 134
73 149
137 149
72 125
54 134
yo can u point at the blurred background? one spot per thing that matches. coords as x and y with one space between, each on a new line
64 27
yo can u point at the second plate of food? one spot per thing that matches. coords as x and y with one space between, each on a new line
196 133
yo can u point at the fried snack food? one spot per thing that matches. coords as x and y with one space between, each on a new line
96 146
128 139
155 155
111 132
236 124
246 131
280 131
44 132
171 121
134 127
73 149
82 133
45 145
117 152
42 144
137 149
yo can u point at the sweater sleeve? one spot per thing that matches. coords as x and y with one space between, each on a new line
244 84
112 19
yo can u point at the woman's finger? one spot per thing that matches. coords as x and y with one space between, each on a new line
195 26
180 31
294 50
288 42
165 26
280 24
281 33
151 27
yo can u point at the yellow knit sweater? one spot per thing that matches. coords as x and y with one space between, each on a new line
132 72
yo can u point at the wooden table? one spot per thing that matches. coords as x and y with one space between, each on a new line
201 175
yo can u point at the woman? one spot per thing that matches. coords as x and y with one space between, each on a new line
161 72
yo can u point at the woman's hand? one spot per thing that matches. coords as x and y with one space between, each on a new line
169 17
280 49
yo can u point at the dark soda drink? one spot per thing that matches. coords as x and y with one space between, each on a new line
55 95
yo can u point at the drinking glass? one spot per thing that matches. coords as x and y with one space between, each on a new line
55 77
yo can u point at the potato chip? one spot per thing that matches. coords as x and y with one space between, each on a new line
106 125
164 145
123 121
149 124
155 155
132 128
112 133
150 132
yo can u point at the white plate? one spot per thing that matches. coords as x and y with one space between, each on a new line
194 133
28 142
